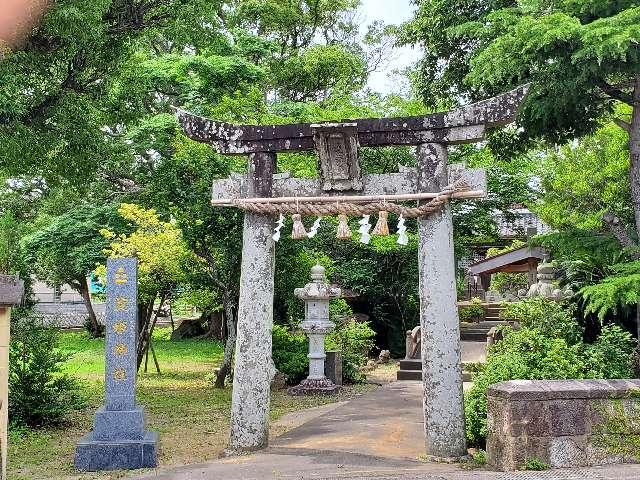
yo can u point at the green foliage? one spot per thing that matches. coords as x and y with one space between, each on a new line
584 257
572 52
158 246
69 248
290 354
39 393
385 276
10 251
547 346
317 71
472 313
479 457
583 180
610 355
494 251
550 318
355 341
523 354
507 282
534 464
615 291
619 433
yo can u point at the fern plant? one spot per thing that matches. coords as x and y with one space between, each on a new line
614 292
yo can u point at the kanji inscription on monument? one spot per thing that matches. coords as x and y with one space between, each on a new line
121 331
119 439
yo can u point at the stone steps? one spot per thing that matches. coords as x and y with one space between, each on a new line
412 370
477 332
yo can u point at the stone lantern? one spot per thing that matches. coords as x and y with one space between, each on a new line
545 287
316 296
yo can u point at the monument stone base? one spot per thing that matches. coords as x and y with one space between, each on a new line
314 387
118 442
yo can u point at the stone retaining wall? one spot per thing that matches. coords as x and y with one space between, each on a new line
564 423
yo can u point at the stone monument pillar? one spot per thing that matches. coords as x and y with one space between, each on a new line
119 440
441 363
254 367
11 291
316 296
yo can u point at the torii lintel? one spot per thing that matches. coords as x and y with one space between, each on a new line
466 124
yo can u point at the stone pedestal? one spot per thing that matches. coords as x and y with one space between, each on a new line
119 440
316 296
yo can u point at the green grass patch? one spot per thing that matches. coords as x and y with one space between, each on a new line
181 403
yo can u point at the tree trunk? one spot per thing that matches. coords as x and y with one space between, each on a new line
230 344
146 331
86 298
634 153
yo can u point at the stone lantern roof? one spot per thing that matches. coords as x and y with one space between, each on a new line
318 288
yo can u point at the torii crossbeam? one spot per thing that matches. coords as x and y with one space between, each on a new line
339 175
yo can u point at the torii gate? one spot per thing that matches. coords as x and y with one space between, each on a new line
336 144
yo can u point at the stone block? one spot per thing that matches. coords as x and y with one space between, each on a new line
529 418
95 455
333 367
505 453
568 417
568 452
119 425
497 423
597 454
519 390
497 453
525 448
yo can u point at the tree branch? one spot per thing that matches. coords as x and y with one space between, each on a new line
127 184
618 230
626 126
615 93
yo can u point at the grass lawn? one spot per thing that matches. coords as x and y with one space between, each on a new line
191 416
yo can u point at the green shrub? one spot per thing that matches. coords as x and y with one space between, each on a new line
355 341
473 312
290 354
610 356
548 346
523 354
89 328
39 393
550 318
534 464
506 282
479 457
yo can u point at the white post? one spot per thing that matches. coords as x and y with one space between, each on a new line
5 315
441 368
254 368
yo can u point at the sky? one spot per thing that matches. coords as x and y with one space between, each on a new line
390 12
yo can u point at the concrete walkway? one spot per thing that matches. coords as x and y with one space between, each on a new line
375 436
385 423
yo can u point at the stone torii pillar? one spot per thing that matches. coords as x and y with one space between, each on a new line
254 367
11 292
339 174
443 400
